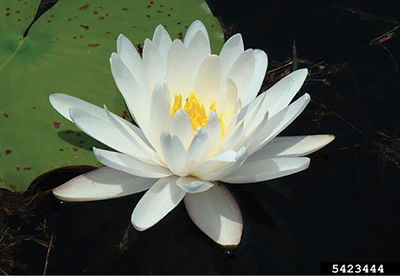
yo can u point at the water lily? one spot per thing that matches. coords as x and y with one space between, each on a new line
199 123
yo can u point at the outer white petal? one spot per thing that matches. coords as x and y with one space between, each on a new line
179 71
261 63
193 185
276 124
266 169
147 153
103 130
158 201
281 94
242 72
198 49
230 52
102 183
130 164
292 146
222 173
163 41
63 102
132 60
217 214
175 155
136 99
207 84
180 126
194 28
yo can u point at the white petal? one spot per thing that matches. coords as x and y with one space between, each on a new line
103 130
132 60
277 124
179 71
102 183
216 163
281 94
217 214
136 99
175 155
163 42
193 185
213 130
292 146
63 102
230 52
242 72
158 201
208 80
266 169
222 173
154 66
233 141
130 164
196 26
159 116
198 149
147 154
181 126
261 64
198 49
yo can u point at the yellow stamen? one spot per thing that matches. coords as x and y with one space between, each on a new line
195 110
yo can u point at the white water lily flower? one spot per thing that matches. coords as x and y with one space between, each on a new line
200 123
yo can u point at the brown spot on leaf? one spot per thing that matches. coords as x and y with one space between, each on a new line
81 36
8 151
75 149
93 45
159 11
34 107
61 149
95 12
168 15
179 23
180 35
69 131
77 134
17 169
101 17
151 2
27 169
48 21
74 37
56 124
148 6
81 142
85 27
124 9
148 15
5 115
125 115
84 7
17 12
107 32
7 14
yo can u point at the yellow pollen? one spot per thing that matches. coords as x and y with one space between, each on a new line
196 111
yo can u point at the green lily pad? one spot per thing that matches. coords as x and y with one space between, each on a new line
67 50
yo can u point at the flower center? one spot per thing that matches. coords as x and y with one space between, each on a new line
195 110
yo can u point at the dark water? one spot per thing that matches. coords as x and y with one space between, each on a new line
345 207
